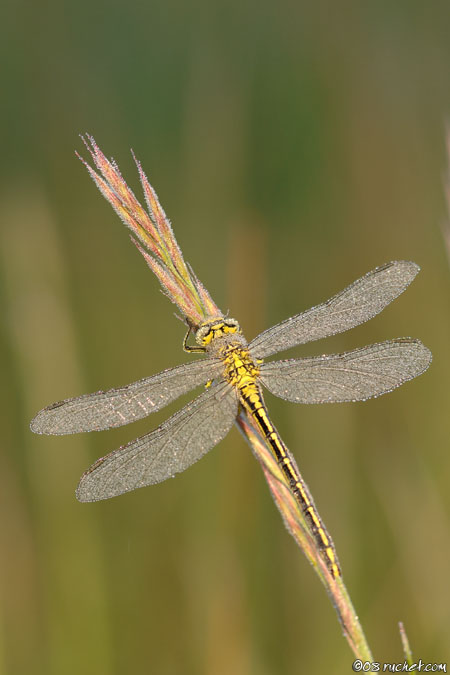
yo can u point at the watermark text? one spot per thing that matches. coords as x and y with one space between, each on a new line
359 666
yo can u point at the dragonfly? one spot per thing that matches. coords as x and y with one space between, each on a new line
233 373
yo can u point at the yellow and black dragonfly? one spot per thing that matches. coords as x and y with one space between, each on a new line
234 373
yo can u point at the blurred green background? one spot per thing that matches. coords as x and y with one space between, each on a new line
295 146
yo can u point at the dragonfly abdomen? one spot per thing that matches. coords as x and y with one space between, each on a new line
252 401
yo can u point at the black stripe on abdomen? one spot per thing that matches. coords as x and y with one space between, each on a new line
252 400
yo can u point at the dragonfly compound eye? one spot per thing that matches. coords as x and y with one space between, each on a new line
214 329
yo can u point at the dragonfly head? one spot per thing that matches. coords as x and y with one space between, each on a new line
215 328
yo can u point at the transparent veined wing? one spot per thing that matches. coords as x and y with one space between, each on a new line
351 376
170 449
359 302
115 407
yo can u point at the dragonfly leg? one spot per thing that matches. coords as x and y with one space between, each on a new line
190 349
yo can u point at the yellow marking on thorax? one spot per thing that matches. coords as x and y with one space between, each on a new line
240 369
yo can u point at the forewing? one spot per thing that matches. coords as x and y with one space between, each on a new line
170 449
354 305
351 376
113 408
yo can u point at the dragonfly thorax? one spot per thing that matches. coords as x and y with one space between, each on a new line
223 339
240 370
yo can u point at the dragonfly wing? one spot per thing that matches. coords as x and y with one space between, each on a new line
113 408
170 449
351 376
354 305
